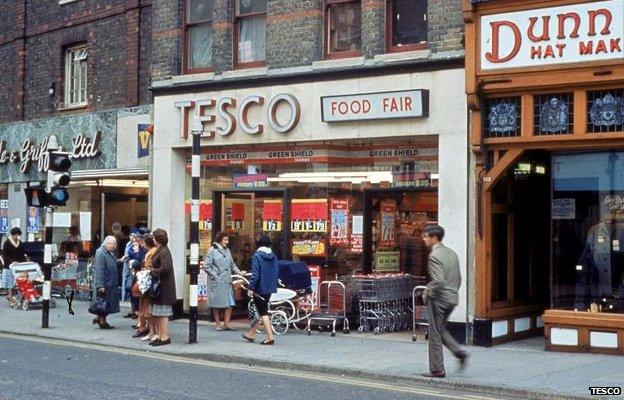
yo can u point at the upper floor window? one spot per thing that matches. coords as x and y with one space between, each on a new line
407 25
76 76
250 33
198 35
343 27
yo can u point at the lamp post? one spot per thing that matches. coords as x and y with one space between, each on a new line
193 264
47 249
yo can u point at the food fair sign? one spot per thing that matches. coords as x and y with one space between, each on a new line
385 105
591 31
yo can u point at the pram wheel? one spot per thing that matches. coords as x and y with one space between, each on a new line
377 331
360 329
414 338
333 334
346 331
279 322
25 305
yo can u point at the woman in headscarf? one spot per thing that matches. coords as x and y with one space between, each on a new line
107 280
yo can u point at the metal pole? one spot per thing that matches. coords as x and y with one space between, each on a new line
47 269
194 237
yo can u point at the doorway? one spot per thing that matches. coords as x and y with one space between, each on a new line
246 214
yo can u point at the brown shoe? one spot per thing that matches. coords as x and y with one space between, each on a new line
435 374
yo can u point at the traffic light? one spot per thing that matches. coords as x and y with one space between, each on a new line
36 196
58 178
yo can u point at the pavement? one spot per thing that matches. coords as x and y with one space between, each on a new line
521 369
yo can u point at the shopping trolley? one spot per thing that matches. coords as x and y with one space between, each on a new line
420 317
331 308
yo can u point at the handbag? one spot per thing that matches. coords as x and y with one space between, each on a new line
252 312
98 305
154 290
144 279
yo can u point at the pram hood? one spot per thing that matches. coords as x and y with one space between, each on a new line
31 268
294 275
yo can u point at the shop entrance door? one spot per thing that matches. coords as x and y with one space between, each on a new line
246 214
394 220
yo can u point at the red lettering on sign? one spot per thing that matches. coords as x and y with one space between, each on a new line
367 106
615 45
592 22
343 108
545 29
577 24
586 48
560 46
408 103
494 56
601 47
536 51
549 52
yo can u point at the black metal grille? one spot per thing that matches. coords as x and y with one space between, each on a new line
605 111
553 114
502 117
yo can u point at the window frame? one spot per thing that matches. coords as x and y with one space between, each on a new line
334 55
68 55
236 17
187 43
390 48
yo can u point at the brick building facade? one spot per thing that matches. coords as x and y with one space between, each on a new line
118 38
79 70
294 33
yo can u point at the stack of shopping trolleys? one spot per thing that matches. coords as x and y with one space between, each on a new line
385 302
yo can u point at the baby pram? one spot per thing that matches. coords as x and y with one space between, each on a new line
29 284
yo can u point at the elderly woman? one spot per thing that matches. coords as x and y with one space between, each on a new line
263 283
162 306
106 280
220 266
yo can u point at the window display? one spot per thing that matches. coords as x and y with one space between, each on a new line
319 203
588 231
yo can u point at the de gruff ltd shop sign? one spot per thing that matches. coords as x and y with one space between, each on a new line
32 153
383 105
557 35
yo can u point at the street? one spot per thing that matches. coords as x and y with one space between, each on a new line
33 369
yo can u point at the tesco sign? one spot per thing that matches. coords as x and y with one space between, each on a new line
573 33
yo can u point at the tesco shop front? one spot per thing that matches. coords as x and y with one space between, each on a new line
341 174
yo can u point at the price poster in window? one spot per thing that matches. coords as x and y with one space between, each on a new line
388 216
339 212
309 215
308 247
238 215
272 216
205 214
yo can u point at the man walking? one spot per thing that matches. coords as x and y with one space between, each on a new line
441 298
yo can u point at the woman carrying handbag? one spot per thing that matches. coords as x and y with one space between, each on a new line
106 281
162 302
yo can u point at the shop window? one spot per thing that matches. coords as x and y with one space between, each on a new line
76 76
198 35
503 117
250 33
588 231
343 27
605 111
407 25
553 114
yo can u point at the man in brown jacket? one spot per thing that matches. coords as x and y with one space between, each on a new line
441 297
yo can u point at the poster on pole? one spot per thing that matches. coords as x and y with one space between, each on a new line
387 231
339 232
4 215
33 220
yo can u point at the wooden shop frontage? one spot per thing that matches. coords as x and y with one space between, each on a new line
545 89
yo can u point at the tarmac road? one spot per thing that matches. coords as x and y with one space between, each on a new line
35 368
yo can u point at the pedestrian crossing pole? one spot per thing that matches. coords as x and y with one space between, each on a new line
193 268
47 269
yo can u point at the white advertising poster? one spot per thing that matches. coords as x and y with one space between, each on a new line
61 220
357 225
85 225
591 31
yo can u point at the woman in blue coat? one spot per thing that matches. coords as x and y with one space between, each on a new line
106 280
263 282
